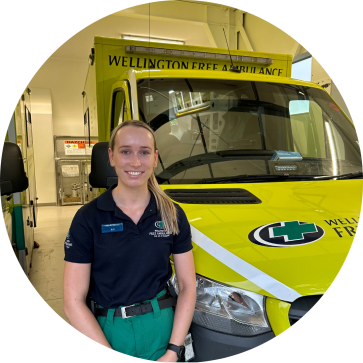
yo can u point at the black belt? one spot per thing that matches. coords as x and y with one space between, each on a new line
132 310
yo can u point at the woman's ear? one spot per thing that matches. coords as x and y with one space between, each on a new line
156 158
110 156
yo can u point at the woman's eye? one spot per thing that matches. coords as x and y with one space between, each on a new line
124 152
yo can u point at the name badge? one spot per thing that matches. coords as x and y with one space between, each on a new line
108 228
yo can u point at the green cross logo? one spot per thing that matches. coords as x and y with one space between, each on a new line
159 224
292 231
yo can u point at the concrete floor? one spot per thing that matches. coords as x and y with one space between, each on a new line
46 273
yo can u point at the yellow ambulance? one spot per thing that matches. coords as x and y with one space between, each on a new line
267 168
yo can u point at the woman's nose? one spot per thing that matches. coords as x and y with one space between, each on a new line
135 161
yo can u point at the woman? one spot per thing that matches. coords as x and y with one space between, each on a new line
118 248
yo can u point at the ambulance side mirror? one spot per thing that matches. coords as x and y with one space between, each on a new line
12 174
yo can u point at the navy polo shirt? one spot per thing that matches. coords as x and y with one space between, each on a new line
130 262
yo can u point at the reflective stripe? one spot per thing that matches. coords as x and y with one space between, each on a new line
259 278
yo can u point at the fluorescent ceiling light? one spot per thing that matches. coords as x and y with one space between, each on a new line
154 40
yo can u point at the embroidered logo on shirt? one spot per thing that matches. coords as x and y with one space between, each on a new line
159 224
159 232
67 242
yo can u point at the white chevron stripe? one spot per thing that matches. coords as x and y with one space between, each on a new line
259 278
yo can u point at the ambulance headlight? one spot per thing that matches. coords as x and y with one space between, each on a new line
228 309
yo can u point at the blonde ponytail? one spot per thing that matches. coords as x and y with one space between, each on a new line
167 209
169 214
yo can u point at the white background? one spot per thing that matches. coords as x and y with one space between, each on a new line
32 30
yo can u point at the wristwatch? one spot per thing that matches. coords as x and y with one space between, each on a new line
178 350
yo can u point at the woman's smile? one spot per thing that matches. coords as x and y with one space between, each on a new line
134 173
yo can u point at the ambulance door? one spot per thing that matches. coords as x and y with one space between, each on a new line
30 197
31 168
121 106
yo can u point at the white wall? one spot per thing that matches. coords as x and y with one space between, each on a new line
65 78
41 110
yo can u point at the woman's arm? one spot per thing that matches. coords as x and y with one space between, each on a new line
75 288
185 271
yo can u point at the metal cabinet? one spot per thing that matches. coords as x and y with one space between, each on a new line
73 165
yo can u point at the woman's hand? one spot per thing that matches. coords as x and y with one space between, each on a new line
169 356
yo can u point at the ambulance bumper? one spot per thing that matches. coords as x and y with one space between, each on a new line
210 345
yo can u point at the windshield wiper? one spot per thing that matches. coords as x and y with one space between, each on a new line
262 177
357 174
207 159
245 152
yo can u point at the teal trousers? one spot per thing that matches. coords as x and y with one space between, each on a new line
143 336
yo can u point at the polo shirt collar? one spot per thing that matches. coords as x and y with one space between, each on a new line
106 203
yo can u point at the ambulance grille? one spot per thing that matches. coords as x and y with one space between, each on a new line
301 306
212 196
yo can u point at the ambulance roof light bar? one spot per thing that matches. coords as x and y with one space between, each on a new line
191 54
154 40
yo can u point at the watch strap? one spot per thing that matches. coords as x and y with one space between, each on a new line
177 349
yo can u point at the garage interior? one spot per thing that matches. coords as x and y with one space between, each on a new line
57 100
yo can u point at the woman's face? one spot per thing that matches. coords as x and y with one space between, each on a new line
133 156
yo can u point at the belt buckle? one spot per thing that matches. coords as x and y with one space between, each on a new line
123 312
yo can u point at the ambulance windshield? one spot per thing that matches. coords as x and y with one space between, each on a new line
209 129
